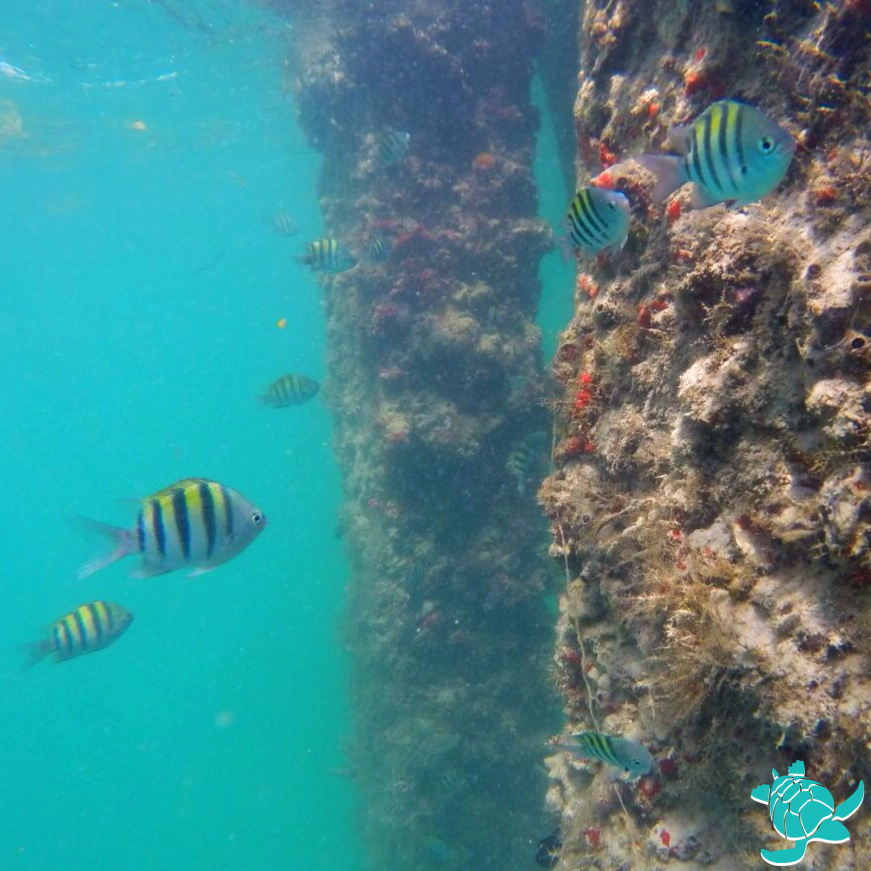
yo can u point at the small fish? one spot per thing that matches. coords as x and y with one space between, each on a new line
415 576
85 629
527 454
452 780
284 225
732 153
634 758
379 249
597 220
392 145
327 255
194 523
289 390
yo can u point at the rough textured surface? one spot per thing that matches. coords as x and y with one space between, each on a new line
434 377
711 498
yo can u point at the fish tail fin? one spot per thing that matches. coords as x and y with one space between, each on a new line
669 172
565 247
121 538
302 259
34 651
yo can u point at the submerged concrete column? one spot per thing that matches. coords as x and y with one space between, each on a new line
423 115
711 504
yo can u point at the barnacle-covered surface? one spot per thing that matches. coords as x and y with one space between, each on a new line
434 378
712 497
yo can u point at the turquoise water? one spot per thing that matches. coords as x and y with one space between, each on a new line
142 284
556 307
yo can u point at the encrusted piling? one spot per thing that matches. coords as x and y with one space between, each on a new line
712 498
434 378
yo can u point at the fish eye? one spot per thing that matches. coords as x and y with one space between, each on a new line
766 144
585 519
612 205
256 517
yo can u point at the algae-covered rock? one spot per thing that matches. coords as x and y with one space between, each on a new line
714 530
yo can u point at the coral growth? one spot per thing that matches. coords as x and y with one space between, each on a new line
434 376
717 541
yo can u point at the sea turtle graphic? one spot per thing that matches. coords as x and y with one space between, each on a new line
803 810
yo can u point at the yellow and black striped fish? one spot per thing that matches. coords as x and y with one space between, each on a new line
289 390
379 249
527 455
194 523
634 758
85 629
732 153
392 145
327 255
283 224
597 220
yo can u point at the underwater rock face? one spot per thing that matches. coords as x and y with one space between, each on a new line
711 503
434 377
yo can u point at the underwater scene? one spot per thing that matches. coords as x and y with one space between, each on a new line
436 434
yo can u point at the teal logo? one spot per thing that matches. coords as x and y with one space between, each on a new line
803 810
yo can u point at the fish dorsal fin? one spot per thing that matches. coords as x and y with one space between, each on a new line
797 768
679 139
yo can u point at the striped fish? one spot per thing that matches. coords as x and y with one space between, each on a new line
284 225
392 145
327 255
597 220
634 758
379 249
289 390
86 629
527 455
732 153
194 523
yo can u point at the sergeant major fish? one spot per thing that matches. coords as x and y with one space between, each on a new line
597 220
379 249
732 153
392 145
633 758
289 390
194 523
525 457
283 224
85 629
327 255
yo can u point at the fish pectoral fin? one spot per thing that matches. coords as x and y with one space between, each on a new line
200 570
669 172
145 572
701 200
